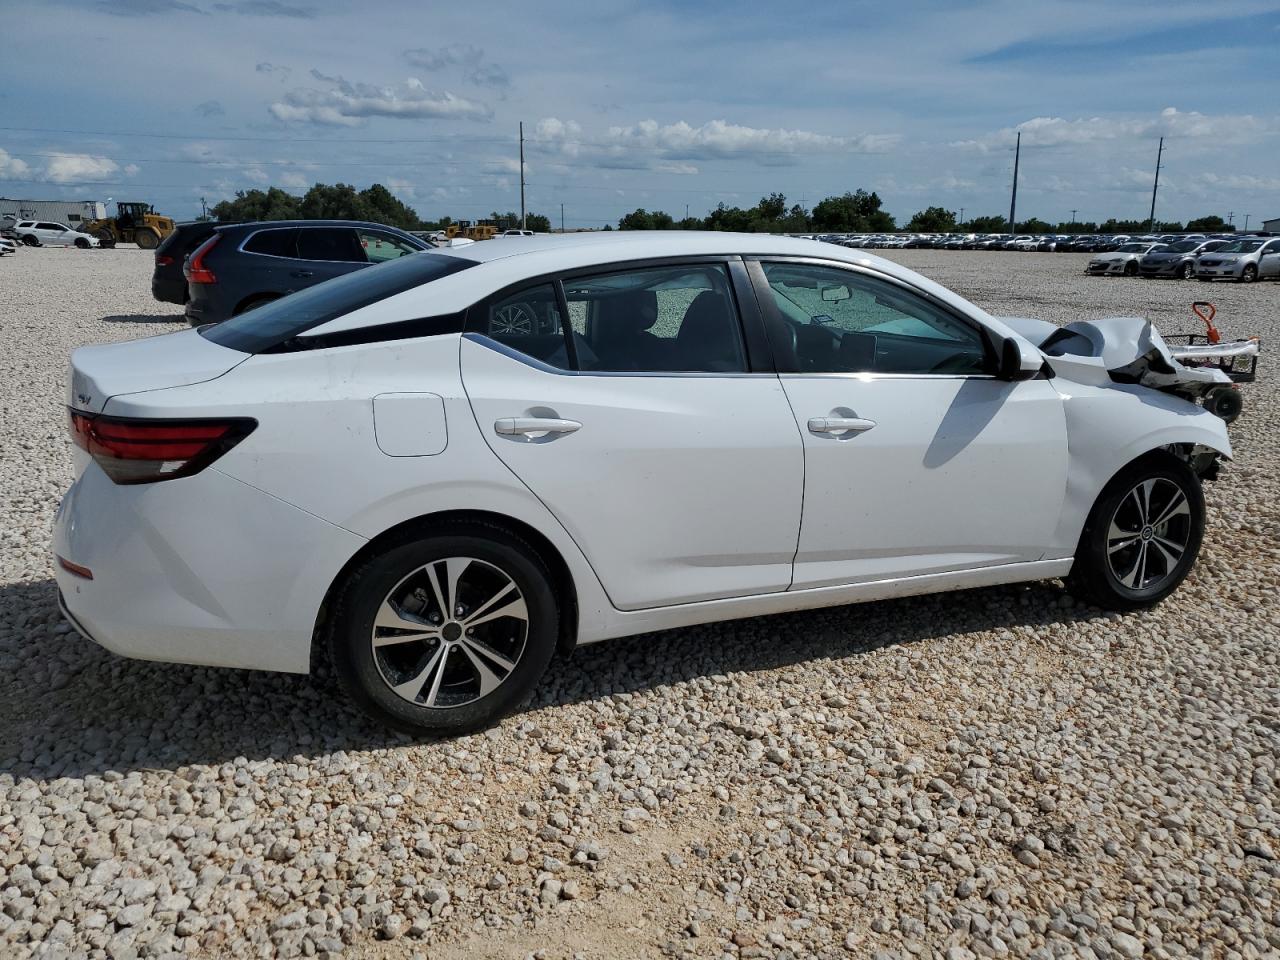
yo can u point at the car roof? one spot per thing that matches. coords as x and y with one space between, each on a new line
273 224
506 261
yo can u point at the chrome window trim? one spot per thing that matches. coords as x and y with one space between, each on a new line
273 256
481 340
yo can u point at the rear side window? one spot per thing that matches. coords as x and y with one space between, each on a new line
333 244
379 246
272 243
279 322
529 321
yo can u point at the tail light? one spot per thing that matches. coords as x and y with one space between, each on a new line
163 260
143 451
195 269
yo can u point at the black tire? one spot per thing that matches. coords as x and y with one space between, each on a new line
1131 269
146 239
30 240
106 238
489 551
1249 273
1187 271
253 304
1093 576
82 243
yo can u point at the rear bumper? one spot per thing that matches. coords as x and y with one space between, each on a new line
204 570
169 291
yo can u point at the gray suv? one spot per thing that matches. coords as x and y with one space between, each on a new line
244 265
1246 260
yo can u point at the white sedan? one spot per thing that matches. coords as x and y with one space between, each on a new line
680 428
46 233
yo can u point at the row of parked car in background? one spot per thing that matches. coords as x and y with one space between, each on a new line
1243 258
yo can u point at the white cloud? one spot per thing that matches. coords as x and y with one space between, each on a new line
475 68
131 169
79 167
348 104
402 188
11 168
719 139
255 175
1170 122
295 181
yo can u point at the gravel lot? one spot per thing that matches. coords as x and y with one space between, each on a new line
997 772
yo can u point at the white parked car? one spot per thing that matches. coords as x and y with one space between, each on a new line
683 428
7 246
1124 260
45 233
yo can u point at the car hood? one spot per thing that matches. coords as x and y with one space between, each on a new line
154 363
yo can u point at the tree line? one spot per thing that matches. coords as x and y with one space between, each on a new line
341 201
861 212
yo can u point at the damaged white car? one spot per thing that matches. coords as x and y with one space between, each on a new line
688 428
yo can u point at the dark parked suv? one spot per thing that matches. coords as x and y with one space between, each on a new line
248 264
168 284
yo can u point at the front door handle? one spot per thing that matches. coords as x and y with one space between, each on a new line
840 425
534 426
302 274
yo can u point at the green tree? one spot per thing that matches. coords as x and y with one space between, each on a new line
537 223
932 220
772 207
853 212
1034 225
733 219
991 224
385 207
1210 224
1078 227
642 219
248 205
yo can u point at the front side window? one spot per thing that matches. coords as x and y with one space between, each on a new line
379 246
839 321
657 320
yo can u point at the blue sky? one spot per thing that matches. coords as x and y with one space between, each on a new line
656 105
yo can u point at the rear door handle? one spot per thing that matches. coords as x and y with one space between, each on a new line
302 274
840 425
534 426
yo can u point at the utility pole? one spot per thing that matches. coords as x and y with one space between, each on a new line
1013 199
204 210
1151 224
1246 222
1231 218
562 218
962 214
686 211
1073 218
523 224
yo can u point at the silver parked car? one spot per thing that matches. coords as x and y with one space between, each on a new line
1246 260
1178 259
1123 260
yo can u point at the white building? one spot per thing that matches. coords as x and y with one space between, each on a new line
69 212
1272 225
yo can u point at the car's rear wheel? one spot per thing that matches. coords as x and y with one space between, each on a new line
106 238
1249 273
1142 536
446 633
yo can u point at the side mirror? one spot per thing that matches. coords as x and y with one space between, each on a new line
1019 361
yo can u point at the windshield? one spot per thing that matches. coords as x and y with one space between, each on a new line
1184 246
1240 246
280 320
1135 248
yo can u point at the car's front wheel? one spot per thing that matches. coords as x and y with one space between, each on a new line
31 240
1142 536
446 633
82 243
1249 273
1188 271
1131 269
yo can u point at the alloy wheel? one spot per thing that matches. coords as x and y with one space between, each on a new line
450 633
513 318
1148 534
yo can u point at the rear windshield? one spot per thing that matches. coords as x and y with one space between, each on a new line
280 320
